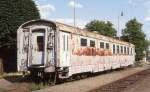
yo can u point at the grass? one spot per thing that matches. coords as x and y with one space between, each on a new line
34 86
3 75
2 90
140 63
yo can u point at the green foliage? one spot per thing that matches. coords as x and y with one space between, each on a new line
104 28
147 43
133 33
6 75
34 86
12 14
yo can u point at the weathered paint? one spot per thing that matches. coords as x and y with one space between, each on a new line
91 52
65 49
77 58
38 51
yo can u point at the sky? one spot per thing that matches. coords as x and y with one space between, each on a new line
88 10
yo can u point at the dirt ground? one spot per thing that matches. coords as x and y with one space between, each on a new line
140 86
13 84
85 85
17 84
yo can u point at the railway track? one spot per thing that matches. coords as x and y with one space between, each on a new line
122 84
83 85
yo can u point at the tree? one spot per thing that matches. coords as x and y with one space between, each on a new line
104 28
12 14
133 33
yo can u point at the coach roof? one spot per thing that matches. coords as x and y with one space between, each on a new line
74 30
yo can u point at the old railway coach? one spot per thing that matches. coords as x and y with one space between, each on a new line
62 50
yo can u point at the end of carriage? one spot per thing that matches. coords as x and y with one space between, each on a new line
62 51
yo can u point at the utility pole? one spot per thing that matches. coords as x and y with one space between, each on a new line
74 15
119 27
119 31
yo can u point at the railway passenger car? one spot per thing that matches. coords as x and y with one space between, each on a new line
59 49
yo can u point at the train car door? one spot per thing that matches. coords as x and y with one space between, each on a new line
65 49
38 43
23 46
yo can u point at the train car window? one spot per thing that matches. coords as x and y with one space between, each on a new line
121 49
101 44
83 42
40 43
128 50
67 43
124 50
107 45
114 49
118 49
92 43
64 42
131 52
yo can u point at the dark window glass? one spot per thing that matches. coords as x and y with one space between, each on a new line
118 49
101 44
128 50
83 42
40 43
92 43
121 49
114 49
107 45
124 50
131 51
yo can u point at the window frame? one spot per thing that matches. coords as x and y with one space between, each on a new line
114 49
85 43
40 43
67 43
128 51
121 49
118 49
101 42
108 45
92 44
131 51
64 43
125 50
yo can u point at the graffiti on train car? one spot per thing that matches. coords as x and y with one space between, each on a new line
91 52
